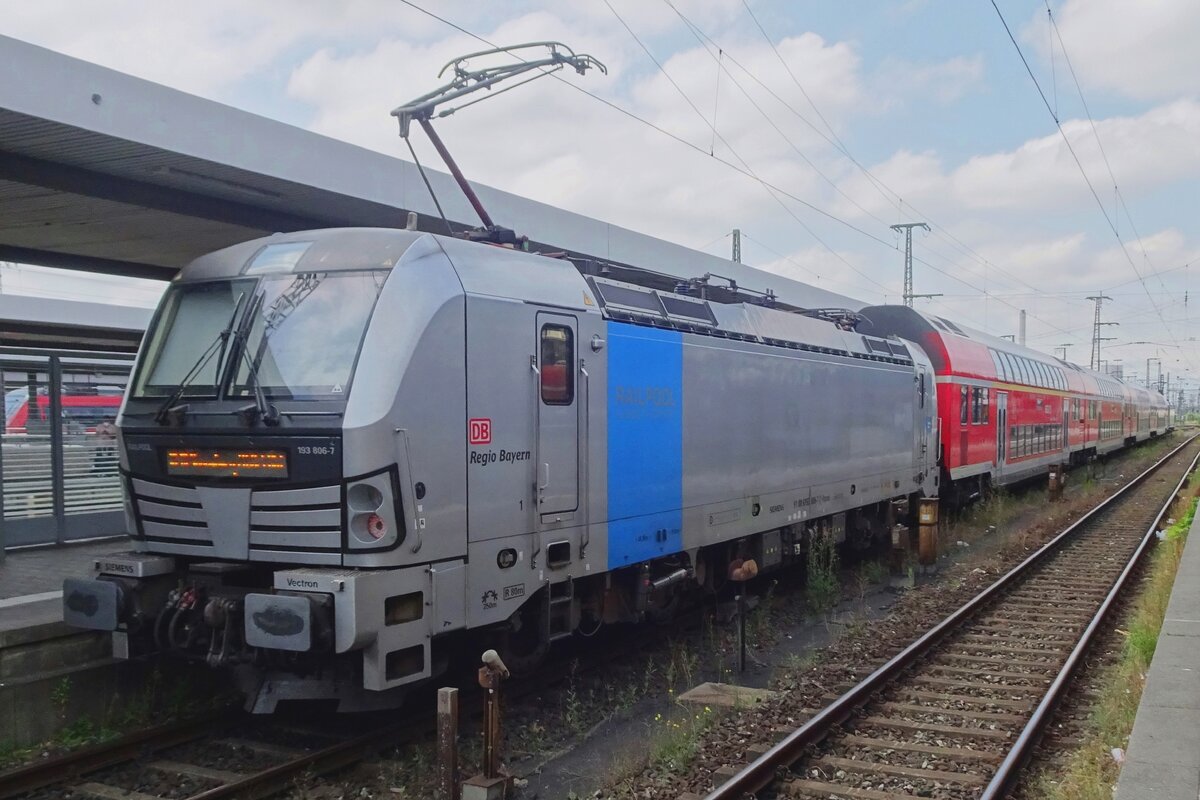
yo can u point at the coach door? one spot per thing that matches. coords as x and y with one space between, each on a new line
557 401
1001 428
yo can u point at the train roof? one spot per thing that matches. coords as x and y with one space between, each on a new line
957 349
487 270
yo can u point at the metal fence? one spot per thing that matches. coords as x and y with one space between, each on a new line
59 472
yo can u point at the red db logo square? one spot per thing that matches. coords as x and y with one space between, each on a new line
480 431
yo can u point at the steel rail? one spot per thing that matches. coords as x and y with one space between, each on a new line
760 773
276 779
89 759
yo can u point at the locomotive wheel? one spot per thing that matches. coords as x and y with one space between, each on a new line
522 646
662 611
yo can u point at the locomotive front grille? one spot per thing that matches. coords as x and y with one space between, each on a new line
302 526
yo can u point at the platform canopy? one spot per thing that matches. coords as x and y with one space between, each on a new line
105 172
56 324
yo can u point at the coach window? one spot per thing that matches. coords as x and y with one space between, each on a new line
979 406
962 406
558 354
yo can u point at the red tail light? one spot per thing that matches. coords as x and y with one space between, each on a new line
376 526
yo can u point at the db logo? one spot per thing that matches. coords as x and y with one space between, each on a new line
480 430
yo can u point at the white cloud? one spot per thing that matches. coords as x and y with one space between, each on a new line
946 81
1146 49
1148 151
204 48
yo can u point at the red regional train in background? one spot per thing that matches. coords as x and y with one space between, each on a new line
82 410
1008 412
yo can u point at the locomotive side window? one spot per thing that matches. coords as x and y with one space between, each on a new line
557 357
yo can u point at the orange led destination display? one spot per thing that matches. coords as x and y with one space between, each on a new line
228 463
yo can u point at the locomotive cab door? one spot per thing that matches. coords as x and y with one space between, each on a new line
924 420
1001 428
555 364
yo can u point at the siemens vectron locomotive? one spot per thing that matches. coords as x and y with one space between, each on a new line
344 450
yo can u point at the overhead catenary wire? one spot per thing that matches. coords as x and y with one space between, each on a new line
939 230
1096 133
705 41
697 33
895 199
746 171
836 142
718 137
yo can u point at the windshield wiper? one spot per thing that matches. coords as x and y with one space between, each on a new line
261 409
168 408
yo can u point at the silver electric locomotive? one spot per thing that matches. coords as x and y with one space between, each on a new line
345 450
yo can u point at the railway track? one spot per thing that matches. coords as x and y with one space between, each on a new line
956 714
228 754
217 756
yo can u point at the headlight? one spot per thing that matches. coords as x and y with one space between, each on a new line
373 521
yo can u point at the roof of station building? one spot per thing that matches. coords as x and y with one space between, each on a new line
103 171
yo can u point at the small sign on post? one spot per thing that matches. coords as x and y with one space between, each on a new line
492 784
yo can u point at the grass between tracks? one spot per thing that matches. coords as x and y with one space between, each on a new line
1091 772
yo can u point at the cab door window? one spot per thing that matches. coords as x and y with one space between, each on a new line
557 357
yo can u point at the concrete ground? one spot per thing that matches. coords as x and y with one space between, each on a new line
1163 758
36 570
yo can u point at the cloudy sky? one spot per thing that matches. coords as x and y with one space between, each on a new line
812 126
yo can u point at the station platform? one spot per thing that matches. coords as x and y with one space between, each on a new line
1162 761
31 580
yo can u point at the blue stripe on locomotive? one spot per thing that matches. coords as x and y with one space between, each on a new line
645 443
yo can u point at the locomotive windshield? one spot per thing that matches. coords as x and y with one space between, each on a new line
304 334
187 342
296 336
